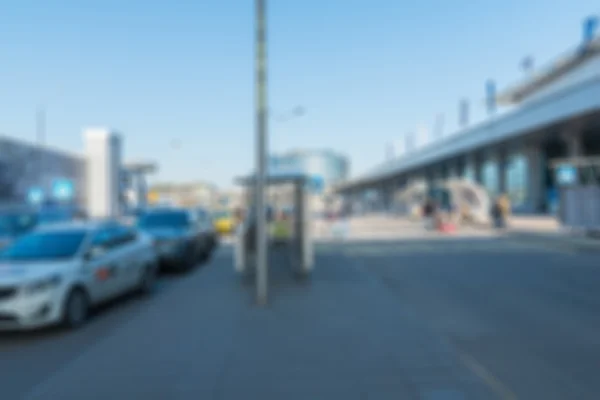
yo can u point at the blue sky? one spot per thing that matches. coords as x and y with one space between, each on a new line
366 71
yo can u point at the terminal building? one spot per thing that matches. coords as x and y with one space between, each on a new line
327 166
97 179
324 169
24 166
555 114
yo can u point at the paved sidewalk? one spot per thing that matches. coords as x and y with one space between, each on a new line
547 230
541 230
562 240
344 335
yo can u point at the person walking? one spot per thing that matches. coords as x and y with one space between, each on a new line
429 214
505 210
501 211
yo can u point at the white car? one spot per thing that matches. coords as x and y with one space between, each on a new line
57 273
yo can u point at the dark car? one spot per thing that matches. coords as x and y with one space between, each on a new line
206 228
176 236
16 221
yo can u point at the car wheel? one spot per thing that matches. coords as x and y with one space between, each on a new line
148 281
76 309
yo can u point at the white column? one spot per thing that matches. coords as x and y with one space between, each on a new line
103 151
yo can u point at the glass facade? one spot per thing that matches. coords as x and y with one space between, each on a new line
328 166
490 177
517 180
469 172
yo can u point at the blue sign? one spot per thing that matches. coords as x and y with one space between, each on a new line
590 25
62 189
566 174
35 195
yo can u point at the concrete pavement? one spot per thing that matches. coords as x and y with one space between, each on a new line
525 319
416 319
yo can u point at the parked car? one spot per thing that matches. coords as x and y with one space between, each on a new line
16 221
224 222
58 272
59 214
132 215
177 237
206 227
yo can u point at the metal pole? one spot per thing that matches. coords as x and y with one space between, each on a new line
261 153
40 127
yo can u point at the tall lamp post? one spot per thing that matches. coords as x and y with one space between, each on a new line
261 152
40 133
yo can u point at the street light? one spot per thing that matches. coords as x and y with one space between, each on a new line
40 128
295 112
262 149
261 152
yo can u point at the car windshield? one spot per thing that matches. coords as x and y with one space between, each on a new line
170 219
43 246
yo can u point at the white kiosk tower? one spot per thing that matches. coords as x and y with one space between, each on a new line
138 171
104 153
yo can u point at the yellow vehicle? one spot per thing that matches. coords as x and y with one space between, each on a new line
224 222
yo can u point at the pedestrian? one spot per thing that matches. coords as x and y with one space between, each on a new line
429 211
500 211
505 209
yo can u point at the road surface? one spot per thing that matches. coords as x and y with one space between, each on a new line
436 319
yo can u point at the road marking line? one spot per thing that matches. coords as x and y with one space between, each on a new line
499 388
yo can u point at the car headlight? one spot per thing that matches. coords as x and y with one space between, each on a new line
43 285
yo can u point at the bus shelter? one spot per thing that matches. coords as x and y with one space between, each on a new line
293 251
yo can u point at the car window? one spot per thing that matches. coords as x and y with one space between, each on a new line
165 219
103 238
45 246
123 235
